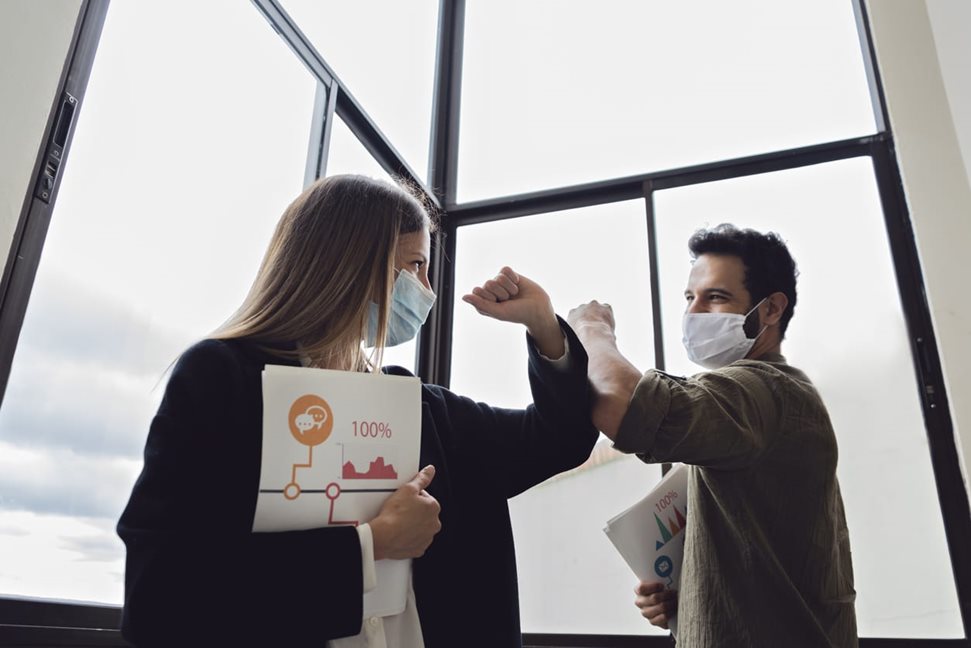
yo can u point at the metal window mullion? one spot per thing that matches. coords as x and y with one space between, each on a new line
951 490
436 341
655 287
320 129
434 361
537 640
23 259
446 107
877 101
283 24
332 93
632 187
655 280
376 143
347 106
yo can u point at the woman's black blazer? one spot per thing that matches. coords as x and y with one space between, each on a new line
197 575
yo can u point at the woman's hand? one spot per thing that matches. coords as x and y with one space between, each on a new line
511 297
408 520
657 603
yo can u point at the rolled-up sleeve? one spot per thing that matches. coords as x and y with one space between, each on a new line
724 419
646 412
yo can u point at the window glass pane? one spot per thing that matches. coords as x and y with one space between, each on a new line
348 155
577 255
385 52
171 193
848 334
571 91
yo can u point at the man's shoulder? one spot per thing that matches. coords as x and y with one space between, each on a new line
784 379
773 370
770 364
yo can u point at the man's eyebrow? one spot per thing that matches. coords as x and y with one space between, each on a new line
710 291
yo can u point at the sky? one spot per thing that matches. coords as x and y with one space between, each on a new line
186 154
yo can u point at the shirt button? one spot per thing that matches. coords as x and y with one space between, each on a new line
373 621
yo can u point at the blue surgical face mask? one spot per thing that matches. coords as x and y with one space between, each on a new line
410 304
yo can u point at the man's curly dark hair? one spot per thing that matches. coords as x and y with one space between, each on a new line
768 265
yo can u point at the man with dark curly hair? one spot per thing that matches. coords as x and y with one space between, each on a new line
766 557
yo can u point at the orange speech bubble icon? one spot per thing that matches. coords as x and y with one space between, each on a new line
311 420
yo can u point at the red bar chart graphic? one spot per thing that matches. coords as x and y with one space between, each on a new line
378 469
368 461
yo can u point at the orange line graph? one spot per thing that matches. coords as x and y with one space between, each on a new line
309 464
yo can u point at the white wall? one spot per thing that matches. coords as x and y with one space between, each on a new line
927 84
34 40
951 25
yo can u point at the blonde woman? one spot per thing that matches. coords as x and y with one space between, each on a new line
347 267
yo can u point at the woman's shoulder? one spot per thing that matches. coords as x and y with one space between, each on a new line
211 360
210 353
428 392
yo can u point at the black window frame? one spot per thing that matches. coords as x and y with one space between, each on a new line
34 622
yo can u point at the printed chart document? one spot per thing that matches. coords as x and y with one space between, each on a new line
650 534
336 444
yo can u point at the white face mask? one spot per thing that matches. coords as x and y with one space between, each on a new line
410 304
715 340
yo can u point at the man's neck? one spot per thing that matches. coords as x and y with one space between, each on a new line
767 344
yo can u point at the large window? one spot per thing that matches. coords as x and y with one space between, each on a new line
848 334
560 545
558 93
384 51
569 254
176 178
647 120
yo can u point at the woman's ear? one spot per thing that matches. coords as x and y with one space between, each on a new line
776 303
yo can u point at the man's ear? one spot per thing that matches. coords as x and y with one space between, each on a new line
776 305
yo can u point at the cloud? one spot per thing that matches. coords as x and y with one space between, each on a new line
60 556
85 383
69 321
92 411
12 531
94 548
88 374
64 482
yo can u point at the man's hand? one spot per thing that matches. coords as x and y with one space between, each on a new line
592 319
657 604
408 520
511 297
613 378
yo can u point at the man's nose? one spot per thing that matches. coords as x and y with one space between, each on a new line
695 306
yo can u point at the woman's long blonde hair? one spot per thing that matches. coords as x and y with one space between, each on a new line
332 253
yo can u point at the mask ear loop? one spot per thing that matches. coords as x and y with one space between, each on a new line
763 329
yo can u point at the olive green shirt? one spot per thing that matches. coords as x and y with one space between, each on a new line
767 554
